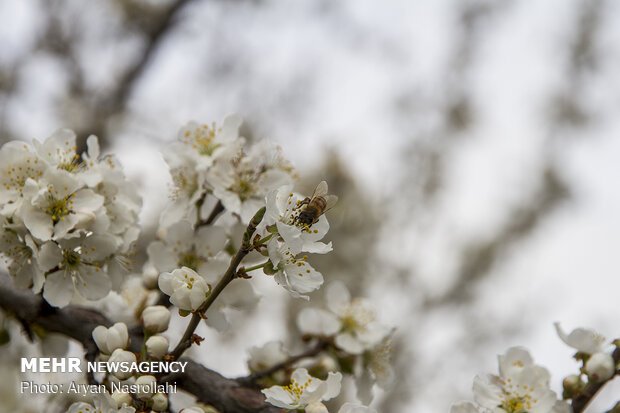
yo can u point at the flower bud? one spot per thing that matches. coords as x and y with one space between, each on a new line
160 402
600 366
571 385
110 339
328 364
121 397
316 407
120 356
157 346
155 318
146 386
150 275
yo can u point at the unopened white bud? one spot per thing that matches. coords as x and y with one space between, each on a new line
121 397
157 346
155 318
160 402
122 356
145 386
600 366
328 364
316 407
109 339
150 275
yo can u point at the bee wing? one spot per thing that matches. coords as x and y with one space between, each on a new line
330 201
320 190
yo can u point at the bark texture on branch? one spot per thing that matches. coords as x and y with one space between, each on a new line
226 395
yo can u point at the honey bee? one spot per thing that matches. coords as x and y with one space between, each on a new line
313 208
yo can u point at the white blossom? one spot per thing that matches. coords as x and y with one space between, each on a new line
19 163
200 250
78 262
205 143
50 197
293 271
582 339
57 205
241 180
265 356
352 321
283 209
21 256
187 289
109 339
521 385
303 390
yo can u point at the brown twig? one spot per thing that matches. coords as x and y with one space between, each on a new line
226 395
229 275
311 352
219 207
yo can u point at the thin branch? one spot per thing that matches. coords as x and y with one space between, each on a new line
229 275
311 352
219 207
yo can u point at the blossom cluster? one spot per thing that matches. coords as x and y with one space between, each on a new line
349 339
68 220
523 386
308 393
220 182
69 223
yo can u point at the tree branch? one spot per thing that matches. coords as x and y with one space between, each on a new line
227 395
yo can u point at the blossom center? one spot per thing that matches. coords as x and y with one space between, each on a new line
189 281
190 260
71 259
57 209
245 185
356 317
16 175
202 139
71 163
184 181
517 404
296 389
